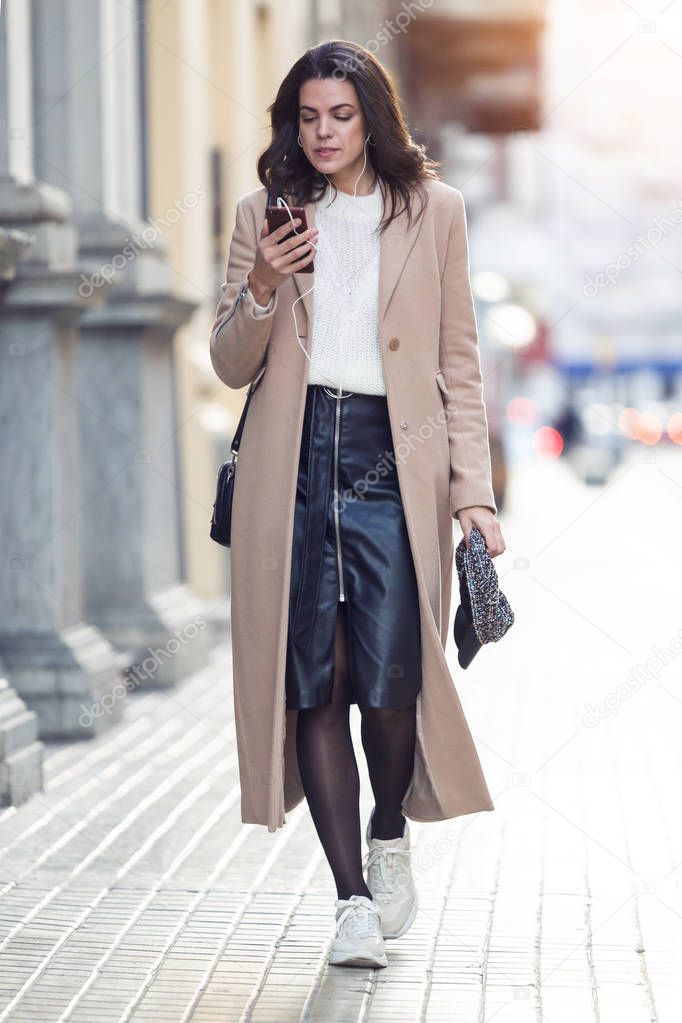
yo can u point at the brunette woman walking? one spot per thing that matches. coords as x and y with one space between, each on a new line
352 630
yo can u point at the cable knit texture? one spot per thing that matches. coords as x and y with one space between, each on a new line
345 349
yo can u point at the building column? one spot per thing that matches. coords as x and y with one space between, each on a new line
21 754
89 143
55 660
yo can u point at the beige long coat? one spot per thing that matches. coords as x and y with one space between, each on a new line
431 365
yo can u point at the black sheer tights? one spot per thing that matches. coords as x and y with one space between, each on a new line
330 777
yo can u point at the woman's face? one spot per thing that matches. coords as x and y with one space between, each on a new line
330 117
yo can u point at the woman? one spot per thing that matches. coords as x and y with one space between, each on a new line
365 436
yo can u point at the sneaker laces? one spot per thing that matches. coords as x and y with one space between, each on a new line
389 876
358 917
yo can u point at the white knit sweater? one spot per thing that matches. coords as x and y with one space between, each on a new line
345 349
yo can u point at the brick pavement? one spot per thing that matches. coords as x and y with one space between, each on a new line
130 890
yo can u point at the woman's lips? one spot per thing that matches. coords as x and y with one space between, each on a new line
326 152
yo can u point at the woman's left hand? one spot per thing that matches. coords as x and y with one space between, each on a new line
484 518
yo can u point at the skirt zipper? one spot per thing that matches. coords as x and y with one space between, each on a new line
339 560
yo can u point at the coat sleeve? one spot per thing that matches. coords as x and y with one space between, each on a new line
459 358
240 332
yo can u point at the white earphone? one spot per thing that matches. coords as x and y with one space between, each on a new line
282 202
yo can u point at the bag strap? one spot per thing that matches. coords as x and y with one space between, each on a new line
234 446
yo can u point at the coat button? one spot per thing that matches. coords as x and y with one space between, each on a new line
394 343
403 424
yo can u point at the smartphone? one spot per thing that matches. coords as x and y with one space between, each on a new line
278 215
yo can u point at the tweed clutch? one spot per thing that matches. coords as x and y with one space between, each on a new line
484 614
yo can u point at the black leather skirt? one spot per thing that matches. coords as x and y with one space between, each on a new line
353 550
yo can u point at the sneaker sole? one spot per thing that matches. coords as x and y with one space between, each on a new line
341 959
408 923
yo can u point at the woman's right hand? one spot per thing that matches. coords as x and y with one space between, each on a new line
277 259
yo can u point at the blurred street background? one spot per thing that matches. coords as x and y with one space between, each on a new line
129 888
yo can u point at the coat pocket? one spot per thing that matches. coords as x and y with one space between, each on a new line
440 379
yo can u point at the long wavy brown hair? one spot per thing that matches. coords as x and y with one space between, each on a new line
400 163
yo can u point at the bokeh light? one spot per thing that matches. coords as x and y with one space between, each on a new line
548 442
674 428
522 411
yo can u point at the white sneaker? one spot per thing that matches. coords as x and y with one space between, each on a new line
389 878
358 940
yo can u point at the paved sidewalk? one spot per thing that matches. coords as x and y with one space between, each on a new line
130 890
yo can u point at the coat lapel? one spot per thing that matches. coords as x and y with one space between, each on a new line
395 245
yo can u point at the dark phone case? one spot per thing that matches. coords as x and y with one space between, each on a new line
278 215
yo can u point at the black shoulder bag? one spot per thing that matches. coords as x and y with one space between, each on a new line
221 519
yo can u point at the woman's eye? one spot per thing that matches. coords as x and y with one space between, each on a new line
307 120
